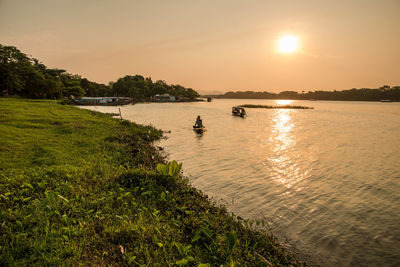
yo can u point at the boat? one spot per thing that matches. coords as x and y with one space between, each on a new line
102 101
238 111
199 130
386 100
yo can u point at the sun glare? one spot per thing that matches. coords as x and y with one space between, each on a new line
283 102
288 44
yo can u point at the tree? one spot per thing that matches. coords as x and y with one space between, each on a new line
14 66
25 76
75 91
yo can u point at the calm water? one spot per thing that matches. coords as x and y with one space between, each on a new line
327 180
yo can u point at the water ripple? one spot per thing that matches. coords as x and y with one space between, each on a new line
327 180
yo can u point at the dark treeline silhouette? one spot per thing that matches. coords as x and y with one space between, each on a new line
26 76
364 94
143 88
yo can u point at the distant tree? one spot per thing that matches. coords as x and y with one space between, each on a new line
75 91
288 94
159 87
25 76
192 94
362 94
142 88
14 69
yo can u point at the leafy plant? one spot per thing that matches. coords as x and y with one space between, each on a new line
204 231
184 251
172 168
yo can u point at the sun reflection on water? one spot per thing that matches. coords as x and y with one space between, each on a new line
281 130
286 171
283 102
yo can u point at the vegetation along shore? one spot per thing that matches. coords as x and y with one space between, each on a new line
26 76
79 187
385 92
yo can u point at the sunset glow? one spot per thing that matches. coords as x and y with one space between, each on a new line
155 133
283 102
288 44
269 46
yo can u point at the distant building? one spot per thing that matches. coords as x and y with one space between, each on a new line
101 101
165 98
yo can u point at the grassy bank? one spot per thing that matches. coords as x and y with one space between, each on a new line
79 187
275 106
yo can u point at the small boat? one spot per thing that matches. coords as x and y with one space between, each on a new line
238 111
199 130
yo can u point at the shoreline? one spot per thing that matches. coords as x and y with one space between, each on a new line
93 180
295 99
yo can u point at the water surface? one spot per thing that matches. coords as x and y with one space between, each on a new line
327 180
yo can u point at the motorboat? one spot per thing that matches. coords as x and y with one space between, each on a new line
238 111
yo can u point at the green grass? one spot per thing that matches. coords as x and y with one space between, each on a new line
79 187
275 106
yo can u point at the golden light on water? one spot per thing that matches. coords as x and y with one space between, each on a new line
288 44
282 131
283 102
283 141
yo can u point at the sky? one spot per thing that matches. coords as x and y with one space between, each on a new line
213 46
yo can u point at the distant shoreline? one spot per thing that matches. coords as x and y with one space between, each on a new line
347 100
383 94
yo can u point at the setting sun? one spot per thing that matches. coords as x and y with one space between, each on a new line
288 44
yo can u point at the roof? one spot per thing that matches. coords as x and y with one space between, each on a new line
108 97
164 95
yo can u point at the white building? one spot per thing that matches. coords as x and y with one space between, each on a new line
164 98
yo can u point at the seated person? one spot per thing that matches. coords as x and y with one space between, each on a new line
199 122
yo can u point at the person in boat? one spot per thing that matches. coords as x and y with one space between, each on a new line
238 111
198 123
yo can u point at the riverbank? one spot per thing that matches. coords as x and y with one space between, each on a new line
79 187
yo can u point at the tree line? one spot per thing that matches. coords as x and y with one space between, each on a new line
364 94
26 76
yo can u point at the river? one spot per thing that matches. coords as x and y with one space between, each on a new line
327 180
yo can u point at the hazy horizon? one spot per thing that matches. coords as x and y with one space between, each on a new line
210 46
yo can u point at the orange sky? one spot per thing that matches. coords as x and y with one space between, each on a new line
213 46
